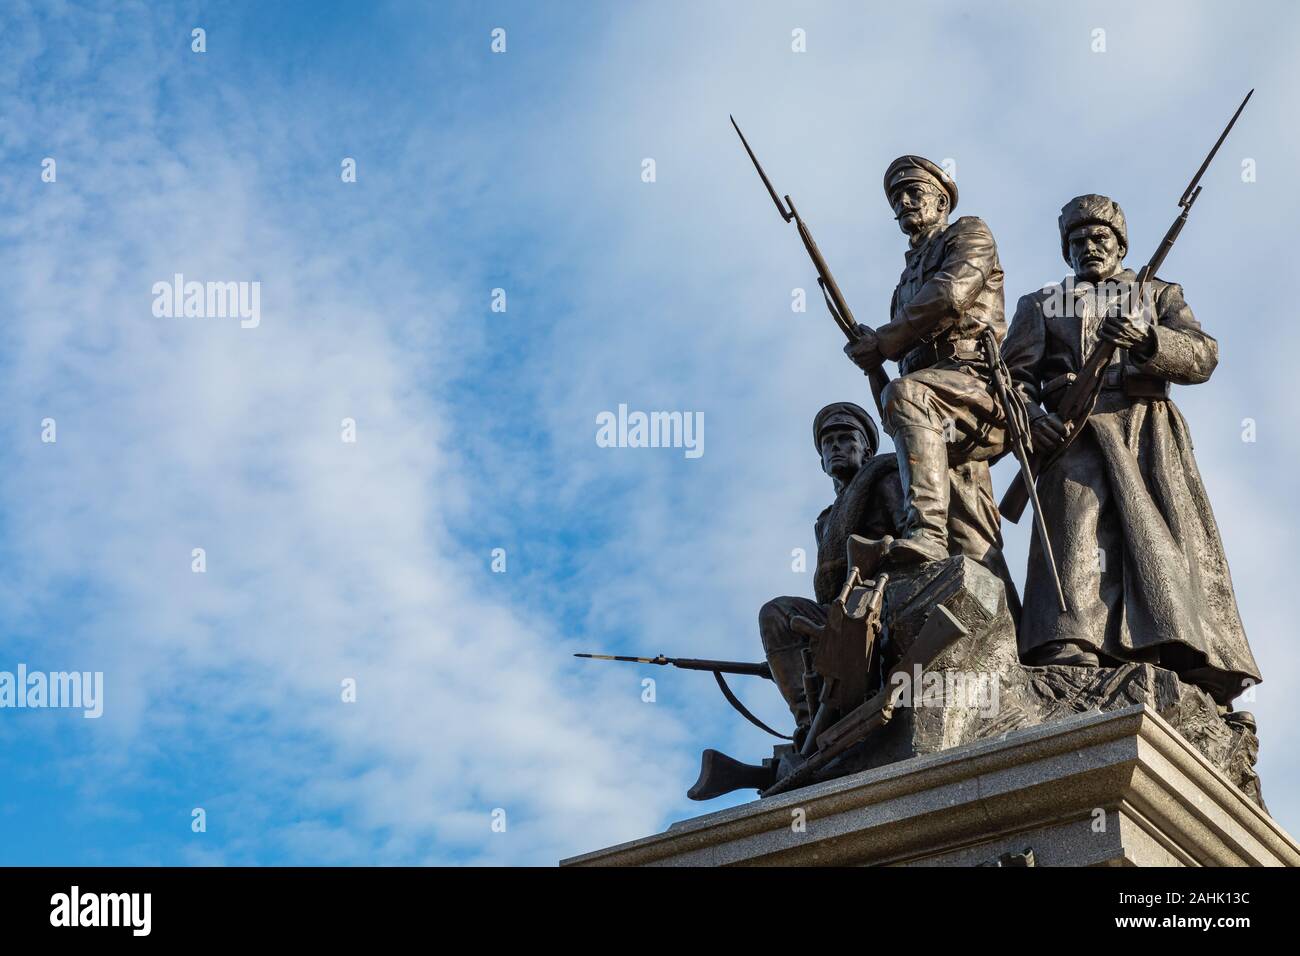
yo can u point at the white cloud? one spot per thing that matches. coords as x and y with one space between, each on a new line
329 560
325 560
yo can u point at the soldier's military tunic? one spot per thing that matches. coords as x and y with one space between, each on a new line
950 290
871 505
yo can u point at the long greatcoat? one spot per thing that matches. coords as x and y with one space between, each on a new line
1140 555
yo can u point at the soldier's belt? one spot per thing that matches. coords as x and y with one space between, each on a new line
1116 378
944 350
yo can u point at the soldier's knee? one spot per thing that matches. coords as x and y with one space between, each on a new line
906 402
774 623
769 614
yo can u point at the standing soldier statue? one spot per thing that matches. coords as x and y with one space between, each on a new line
868 502
1138 549
941 412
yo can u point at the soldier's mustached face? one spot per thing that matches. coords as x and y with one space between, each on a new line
843 452
918 206
1094 252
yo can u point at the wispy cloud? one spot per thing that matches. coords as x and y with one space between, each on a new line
328 560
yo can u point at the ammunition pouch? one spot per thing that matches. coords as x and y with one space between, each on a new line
1137 385
1133 383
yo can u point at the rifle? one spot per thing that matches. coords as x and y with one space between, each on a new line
1013 408
717 667
1081 395
835 302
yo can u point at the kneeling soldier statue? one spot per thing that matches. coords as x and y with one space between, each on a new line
868 502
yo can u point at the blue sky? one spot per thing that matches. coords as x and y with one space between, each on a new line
522 171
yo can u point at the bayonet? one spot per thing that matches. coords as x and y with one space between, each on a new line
835 301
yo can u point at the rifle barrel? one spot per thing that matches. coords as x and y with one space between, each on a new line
725 667
759 669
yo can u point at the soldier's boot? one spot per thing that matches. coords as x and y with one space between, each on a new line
923 471
1243 719
1066 653
784 651
787 673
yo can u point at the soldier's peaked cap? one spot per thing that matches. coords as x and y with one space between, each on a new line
1087 210
911 168
845 415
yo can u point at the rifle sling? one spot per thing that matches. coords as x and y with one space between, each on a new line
734 701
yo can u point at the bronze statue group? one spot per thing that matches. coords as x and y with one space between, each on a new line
1128 564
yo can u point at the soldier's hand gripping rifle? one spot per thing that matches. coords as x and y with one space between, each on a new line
835 302
1080 396
718 668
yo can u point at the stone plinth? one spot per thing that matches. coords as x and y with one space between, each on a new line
1121 788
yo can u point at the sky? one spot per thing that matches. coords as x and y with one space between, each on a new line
475 737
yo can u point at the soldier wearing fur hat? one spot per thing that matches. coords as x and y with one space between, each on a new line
941 412
1139 552
868 502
